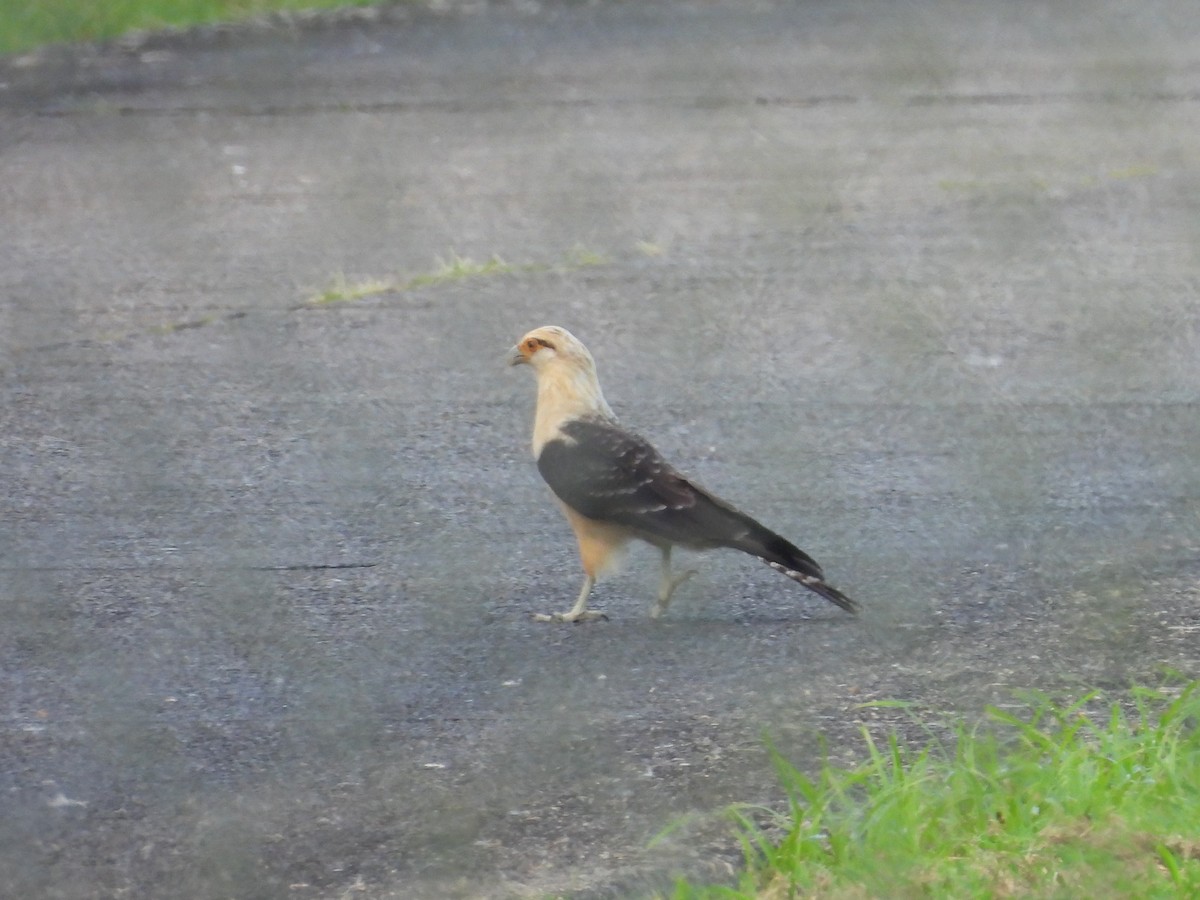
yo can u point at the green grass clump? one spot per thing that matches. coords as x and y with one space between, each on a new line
342 290
1056 802
456 268
25 24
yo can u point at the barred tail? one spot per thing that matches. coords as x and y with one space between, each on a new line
816 585
783 556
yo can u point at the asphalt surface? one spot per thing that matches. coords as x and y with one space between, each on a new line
915 284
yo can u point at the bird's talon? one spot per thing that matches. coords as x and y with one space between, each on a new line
667 591
683 576
575 618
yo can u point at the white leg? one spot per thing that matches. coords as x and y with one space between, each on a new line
579 612
668 583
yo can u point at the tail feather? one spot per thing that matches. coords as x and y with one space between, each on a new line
816 585
779 553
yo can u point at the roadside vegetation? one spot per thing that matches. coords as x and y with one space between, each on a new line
343 290
26 24
1097 798
456 268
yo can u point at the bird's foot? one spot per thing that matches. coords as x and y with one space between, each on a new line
585 615
668 590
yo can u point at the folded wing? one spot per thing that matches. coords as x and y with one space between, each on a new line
609 474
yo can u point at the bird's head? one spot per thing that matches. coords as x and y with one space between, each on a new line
566 377
551 347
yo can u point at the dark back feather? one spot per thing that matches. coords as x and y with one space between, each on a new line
607 473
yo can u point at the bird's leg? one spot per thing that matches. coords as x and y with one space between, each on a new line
668 583
579 612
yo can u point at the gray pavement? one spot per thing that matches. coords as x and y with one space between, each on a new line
916 284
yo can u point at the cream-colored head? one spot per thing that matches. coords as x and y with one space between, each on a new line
567 384
551 345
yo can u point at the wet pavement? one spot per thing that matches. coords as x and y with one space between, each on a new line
914 284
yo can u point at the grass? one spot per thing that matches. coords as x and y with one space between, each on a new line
25 24
342 290
457 268
1091 799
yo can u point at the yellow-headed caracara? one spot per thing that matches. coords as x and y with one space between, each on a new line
613 486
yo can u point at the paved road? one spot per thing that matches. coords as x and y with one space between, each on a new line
916 284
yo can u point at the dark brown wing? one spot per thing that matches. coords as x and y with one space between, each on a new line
607 473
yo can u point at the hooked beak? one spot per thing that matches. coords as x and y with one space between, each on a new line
516 357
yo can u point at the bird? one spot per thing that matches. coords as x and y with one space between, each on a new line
614 487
